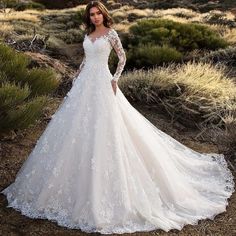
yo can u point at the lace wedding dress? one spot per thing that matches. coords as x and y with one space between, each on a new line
101 166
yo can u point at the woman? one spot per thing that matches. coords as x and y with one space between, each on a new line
100 166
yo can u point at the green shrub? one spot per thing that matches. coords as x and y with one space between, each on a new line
79 16
23 91
182 36
12 94
13 64
41 81
8 3
150 55
71 36
21 6
26 27
153 42
24 115
55 47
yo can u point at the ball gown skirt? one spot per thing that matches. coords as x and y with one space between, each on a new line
101 166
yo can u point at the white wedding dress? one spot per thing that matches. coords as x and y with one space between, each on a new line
101 166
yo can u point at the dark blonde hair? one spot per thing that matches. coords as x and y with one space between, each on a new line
89 26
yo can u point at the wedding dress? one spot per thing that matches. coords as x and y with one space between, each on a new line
101 166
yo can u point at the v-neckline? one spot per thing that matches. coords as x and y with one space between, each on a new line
96 38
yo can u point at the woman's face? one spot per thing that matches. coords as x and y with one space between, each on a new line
96 16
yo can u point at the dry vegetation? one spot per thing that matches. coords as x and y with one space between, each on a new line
201 91
197 98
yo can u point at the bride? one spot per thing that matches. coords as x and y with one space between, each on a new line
101 166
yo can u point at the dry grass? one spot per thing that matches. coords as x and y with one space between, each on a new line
206 80
6 29
175 18
187 13
140 13
119 14
229 34
181 15
225 15
187 16
199 90
124 27
31 16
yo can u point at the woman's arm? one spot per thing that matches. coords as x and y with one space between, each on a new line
117 45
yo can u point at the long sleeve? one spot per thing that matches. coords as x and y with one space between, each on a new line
117 45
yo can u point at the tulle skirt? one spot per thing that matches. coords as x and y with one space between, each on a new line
101 166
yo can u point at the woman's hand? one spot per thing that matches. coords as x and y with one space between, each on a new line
114 85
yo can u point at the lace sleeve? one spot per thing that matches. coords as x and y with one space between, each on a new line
117 45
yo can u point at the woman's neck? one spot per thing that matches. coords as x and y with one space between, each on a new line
100 28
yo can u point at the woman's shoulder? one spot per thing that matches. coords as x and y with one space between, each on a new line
112 32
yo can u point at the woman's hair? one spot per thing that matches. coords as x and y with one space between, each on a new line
89 26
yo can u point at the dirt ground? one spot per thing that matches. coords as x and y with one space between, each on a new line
15 151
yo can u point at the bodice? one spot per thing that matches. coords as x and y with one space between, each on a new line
96 53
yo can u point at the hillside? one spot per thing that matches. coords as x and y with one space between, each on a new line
180 74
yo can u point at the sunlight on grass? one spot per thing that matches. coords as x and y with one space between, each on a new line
20 15
229 34
5 29
200 89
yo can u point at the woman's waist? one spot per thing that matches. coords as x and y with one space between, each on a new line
97 65
96 60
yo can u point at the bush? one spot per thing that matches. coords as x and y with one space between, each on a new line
119 16
55 47
23 91
226 56
78 18
71 36
156 41
21 6
182 36
219 18
23 115
41 81
61 4
8 3
150 55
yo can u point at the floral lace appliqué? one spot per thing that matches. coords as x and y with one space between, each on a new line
117 45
